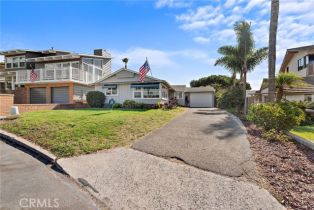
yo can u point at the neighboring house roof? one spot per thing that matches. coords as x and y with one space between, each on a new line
199 89
20 51
64 57
264 84
290 53
147 78
179 87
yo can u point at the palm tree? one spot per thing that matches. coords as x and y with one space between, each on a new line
272 49
248 56
230 61
287 79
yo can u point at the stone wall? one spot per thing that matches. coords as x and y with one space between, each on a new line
6 102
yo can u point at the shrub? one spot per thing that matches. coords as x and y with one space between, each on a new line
309 119
273 135
95 99
129 104
232 99
281 116
310 105
117 106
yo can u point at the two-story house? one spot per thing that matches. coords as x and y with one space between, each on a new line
61 77
300 61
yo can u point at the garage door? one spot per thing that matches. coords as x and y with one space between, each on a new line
205 99
37 95
60 95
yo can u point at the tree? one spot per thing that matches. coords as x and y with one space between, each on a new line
248 55
272 49
230 61
286 79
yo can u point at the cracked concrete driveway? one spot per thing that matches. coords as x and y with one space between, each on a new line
210 139
129 179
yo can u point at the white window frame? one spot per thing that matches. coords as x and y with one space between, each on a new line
109 88
20 59
142 93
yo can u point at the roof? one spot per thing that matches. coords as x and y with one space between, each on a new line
135 72
264 84
199 89
290 53
21 51
179 87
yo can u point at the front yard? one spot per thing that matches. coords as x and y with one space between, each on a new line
306 132
73 132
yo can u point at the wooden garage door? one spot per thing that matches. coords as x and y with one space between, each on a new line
60 95
204 99
37 95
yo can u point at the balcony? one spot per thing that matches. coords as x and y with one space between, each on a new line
88 74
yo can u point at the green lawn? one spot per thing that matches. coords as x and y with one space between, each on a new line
306 132
73 132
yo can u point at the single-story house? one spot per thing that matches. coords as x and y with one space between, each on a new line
124 84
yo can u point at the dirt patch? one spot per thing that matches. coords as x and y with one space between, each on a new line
284 169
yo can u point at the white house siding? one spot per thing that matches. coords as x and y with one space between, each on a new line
106 67
125 92
80 92
293 64
297 97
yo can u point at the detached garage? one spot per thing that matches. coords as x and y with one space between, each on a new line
201 96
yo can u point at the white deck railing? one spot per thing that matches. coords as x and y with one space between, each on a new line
88 74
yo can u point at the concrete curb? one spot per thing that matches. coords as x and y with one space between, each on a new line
29 145
301 140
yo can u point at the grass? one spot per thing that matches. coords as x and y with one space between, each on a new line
72 132
306 132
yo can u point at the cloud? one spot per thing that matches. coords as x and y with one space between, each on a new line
214 22
201 40
172 3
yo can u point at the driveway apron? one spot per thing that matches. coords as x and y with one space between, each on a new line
210 139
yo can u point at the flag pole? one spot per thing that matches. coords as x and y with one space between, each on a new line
151 73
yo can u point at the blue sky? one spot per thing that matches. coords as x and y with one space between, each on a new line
180 38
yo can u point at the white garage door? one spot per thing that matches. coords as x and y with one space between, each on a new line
205 99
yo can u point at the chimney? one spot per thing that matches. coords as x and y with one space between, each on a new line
102 52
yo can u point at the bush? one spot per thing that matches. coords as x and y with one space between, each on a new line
273 135
129 104
95 99
117 106
232 99
310 105
309 119
281 116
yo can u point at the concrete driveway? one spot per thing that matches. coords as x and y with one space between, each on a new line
25 182
210 139
129 179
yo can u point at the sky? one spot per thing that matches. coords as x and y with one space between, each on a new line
180 38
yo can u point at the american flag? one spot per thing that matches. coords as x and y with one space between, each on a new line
33 75
144 70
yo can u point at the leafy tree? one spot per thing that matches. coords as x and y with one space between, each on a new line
217 81
286 79
272 49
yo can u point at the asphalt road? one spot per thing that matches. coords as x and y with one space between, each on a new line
26 182
210 139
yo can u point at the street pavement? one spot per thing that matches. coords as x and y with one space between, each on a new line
26 182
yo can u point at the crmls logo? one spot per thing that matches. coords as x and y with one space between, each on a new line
39 203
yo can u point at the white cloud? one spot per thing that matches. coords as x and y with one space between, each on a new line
215 22
172 3
229 3
201 40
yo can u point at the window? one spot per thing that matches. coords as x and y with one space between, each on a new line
303 62
137 93
308 97
179 95
151 93
164 94
15 62
111 91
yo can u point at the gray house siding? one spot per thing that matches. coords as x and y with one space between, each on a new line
80 91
